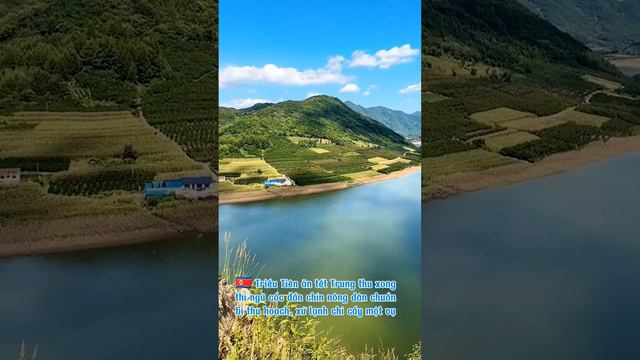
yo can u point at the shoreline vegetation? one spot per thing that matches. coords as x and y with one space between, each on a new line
267 337
48 236
264 194
447 186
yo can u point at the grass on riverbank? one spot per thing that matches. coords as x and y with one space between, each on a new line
268 338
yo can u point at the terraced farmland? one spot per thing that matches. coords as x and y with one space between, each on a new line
245 173
607 84
31 201
92 145
465 161
499 116
322 163
507 138
97 136
563 117
187 114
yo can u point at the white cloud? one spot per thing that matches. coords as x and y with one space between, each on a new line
361 58
350 88
312 94
331 73
384 59
245 103
369 90
411 89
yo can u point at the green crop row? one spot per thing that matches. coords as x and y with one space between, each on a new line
104 181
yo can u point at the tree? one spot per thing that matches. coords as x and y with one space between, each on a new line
129 152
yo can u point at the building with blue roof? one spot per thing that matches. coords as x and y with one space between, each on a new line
188 187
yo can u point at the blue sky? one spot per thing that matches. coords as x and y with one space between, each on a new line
366 51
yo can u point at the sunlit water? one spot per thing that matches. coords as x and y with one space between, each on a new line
547 269
153 301
370 231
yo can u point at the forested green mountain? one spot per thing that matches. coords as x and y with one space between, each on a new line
501 33
250 130
96 55
407 125
504 84
613 24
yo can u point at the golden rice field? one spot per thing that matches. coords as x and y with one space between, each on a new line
393 161
466 161
247 167
507 138
100 136
319 150
545 122
364 174
379 167
500 116
377 159
607 84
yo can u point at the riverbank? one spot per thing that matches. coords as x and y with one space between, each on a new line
455 184
264 194
53 235
627 64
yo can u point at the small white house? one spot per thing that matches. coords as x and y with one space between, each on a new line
279 182
9 176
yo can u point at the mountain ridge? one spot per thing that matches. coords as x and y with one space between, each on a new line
407 125
609 24
249 131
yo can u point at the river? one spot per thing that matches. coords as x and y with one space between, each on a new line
370 231
546 269
150 301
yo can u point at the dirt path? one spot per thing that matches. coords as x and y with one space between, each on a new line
587 99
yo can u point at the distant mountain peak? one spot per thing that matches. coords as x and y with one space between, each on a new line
407 125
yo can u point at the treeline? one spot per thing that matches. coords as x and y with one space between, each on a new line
93 53
613 107
103 181
566 137
500 33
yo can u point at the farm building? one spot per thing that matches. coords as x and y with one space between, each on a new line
188 187
9 176
284 181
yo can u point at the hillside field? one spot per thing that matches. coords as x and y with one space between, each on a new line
319 140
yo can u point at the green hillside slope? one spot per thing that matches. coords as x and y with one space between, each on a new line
314 141
88 55
251 130
504 85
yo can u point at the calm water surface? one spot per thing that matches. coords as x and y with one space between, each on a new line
370 231
548 269
152 301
